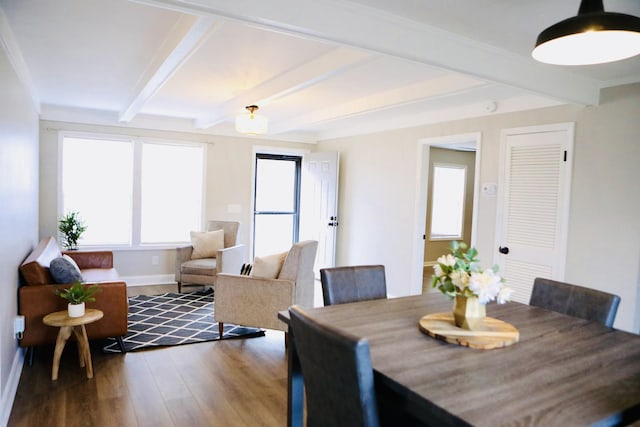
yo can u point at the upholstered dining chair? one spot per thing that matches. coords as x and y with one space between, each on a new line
353 283
255 300
337 373
201 264
576 301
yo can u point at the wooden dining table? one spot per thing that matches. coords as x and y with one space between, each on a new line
563 371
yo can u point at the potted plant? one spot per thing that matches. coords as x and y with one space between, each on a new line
459 275
77 295
71 228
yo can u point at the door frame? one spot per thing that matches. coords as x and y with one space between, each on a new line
422 186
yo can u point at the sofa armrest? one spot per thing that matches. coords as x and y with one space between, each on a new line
36 301
91 259
229 260
252 301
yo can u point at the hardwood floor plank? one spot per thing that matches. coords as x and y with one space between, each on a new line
148 402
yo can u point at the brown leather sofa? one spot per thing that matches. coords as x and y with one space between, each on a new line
36 296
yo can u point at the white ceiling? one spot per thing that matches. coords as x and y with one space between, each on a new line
317 68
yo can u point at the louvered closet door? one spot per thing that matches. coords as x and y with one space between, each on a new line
534 205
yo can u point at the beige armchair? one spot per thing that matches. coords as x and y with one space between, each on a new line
203 271
256 301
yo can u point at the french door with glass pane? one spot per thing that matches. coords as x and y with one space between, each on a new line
276 203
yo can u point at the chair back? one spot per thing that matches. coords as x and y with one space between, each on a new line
230 231
356 283
337 373
575 301
298 267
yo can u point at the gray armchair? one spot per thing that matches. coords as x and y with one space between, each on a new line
204 271
256 301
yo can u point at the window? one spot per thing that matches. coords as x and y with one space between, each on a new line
447 206
276 203
133 192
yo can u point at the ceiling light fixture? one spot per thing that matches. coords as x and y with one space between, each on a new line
592 37
252 123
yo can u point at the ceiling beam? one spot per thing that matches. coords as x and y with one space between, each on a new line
184 39
394 98
319 69
14 54
362 27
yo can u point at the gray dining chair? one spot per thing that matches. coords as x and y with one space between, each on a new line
353 283
337 373
575 301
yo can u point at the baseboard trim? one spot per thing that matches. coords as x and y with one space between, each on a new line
153 279
9 393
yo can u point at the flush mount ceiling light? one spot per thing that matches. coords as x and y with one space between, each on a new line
252 123
592 37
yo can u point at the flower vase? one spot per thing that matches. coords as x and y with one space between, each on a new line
468 313
75 310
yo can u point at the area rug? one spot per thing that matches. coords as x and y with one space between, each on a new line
174 319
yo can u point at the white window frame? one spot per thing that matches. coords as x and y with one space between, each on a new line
137 184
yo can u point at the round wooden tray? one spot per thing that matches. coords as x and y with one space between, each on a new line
494 333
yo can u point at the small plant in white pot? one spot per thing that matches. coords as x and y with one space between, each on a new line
77 295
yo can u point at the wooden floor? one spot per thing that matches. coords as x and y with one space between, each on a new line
238 382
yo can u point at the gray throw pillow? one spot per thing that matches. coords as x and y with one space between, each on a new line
63 271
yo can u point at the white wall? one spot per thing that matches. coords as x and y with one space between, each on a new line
228 182
18 215
378 179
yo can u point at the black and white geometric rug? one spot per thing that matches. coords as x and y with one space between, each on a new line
174 319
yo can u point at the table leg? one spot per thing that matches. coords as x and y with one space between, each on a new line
78 336
83 349
295 385
63 335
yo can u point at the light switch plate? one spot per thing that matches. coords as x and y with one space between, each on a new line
490 188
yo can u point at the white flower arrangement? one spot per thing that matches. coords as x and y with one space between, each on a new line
459 273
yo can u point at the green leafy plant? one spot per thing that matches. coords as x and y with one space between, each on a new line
71 227
78 293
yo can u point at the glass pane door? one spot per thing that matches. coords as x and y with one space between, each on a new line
276 203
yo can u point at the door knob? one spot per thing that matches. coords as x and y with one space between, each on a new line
503 250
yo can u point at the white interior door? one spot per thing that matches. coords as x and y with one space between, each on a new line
319 205
533 205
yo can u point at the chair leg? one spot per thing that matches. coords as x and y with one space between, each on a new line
179 287
121 345
220 329
286 340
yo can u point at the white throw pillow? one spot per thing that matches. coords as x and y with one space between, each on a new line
268 266
206 243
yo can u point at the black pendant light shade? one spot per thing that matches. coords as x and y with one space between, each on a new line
592 37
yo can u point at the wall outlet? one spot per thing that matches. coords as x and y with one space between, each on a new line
18 326
154 260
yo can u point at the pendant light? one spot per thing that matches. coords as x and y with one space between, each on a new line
592 37
251 123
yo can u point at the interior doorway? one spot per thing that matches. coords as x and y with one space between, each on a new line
453 215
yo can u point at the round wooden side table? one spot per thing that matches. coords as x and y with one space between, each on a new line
73 325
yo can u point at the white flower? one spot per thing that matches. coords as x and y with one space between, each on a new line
460 278
504 295
437 269
448 260
486 285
